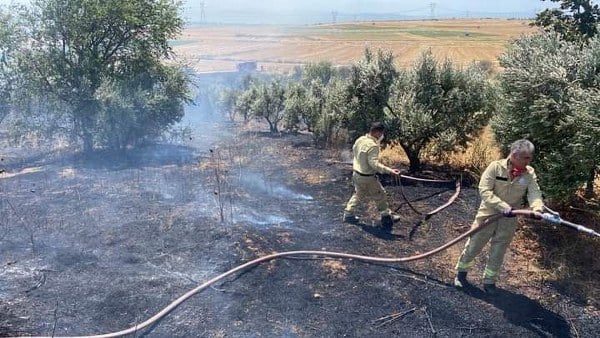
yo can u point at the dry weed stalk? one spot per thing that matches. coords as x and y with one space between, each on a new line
393 317
218 175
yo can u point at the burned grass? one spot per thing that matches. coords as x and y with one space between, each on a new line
93 249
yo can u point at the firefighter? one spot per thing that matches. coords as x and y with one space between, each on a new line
504 185
365 165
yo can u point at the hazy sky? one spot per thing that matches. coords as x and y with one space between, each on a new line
372 5
308 11
278 11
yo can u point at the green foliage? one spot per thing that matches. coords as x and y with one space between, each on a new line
550 95
139 108
432 103
11 37
322 71
329 123
574 20
227 101
437 104
304 104
294 105
77 50
368 91
268 103
243 102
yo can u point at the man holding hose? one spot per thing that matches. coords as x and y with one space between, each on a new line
365 165
503 186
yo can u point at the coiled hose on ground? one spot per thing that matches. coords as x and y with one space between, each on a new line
369 259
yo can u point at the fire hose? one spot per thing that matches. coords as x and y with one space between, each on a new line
426 216
552 216
549 216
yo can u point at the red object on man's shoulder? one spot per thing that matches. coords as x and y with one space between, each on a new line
516 172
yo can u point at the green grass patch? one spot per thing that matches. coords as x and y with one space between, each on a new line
353 32
430 33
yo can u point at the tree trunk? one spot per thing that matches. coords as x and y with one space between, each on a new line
589 190
413 158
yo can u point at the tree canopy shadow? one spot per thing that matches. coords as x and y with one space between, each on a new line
525 312
150 155
379 232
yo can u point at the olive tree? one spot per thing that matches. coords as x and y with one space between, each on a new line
368 90
77 50
437 103
550 93
269 103
304 104
12 37
322 71
573 20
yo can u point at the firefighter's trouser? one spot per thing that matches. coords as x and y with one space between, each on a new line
367 188
499 234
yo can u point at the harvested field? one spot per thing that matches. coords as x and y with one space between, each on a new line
277 48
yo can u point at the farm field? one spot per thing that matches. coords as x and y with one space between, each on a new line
276 48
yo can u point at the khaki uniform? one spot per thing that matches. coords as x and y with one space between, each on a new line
366 186
498 193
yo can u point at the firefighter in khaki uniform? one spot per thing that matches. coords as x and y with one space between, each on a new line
365 164
503 186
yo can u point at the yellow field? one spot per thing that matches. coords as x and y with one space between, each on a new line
281 48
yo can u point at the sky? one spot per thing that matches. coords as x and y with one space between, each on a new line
321 11
371 5
312 11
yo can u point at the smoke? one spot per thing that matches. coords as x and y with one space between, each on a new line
257 218
255 183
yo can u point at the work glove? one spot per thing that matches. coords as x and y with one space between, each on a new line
537 212
508 212
539 209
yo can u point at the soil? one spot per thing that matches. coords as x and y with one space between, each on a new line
96 244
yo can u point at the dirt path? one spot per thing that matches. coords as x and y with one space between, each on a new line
97 245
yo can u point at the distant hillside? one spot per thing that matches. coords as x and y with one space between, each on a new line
194 16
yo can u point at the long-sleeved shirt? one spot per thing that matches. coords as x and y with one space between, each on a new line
366 156
499 191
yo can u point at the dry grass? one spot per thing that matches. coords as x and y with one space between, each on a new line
479 153
394 156
281 48
475 158
335 268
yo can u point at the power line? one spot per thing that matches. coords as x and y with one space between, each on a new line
202 12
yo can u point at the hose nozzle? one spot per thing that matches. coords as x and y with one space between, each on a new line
551 217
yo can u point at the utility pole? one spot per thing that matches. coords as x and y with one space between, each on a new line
334 15
432 8
202 12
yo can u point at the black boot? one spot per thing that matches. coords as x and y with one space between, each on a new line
387 222
460 281
350 218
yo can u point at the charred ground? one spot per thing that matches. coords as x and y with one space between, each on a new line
98 244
